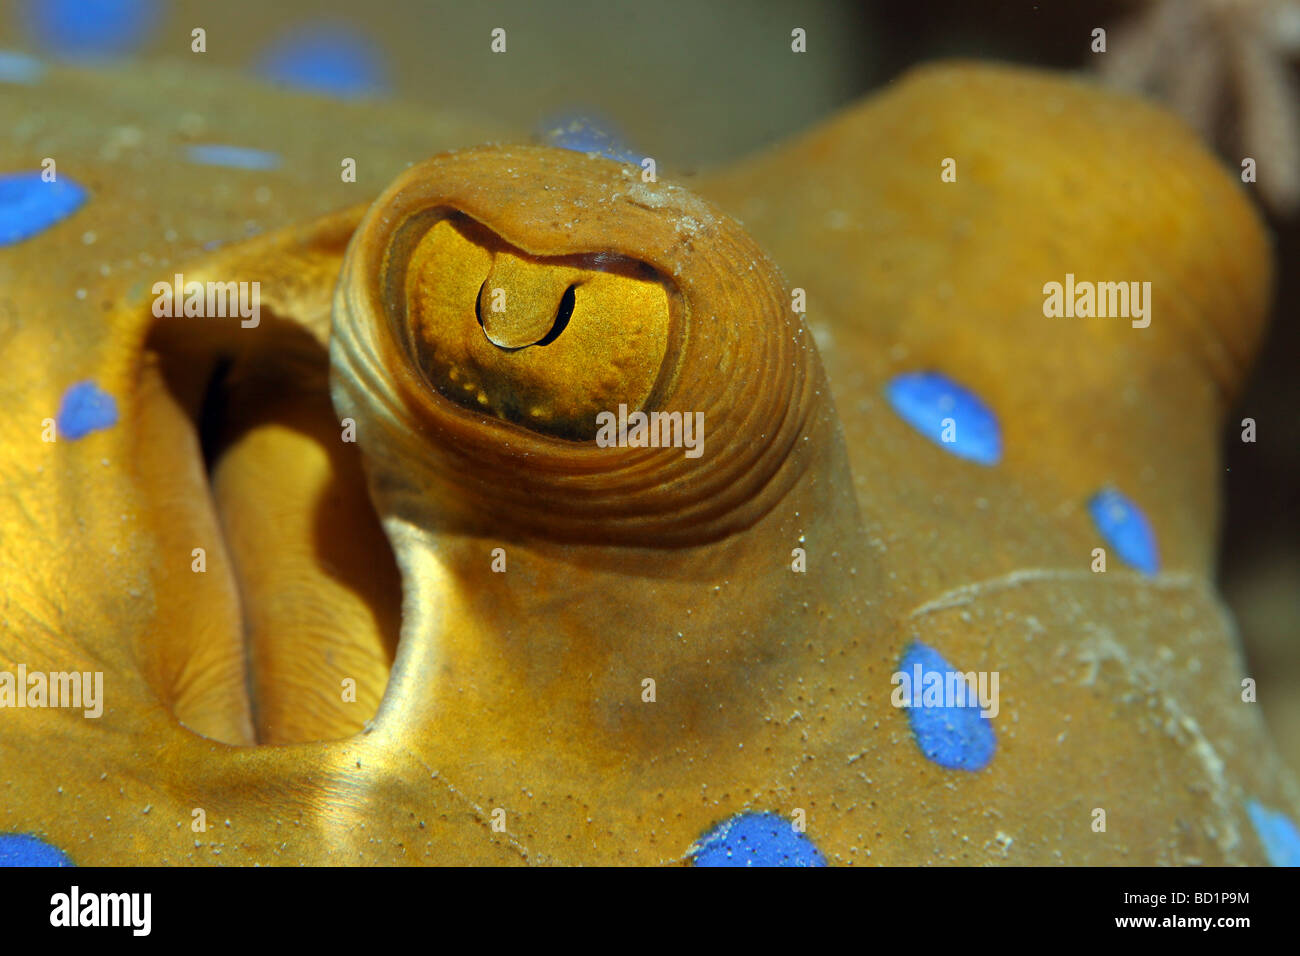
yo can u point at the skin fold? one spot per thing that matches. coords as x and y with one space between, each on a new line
517 696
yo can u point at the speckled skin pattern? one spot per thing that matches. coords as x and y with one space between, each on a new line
522 692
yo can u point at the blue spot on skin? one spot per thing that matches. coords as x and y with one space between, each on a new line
235 157
955 737
756 839
20 68
326 59
89 29
19 849
29 205
85 409
1277 833
1126 529
925 399
588 133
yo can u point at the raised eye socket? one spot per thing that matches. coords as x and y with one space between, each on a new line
561 318
544 342
675 310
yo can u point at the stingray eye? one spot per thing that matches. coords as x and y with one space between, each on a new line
498 306
544 342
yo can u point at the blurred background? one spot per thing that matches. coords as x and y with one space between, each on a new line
698 83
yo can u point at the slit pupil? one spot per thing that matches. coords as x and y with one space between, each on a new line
567 302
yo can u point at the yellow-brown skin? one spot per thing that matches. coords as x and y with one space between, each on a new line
522 690
474 325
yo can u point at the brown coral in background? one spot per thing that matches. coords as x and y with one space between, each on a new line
1224 66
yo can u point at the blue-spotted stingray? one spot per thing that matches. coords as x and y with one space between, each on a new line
369 578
